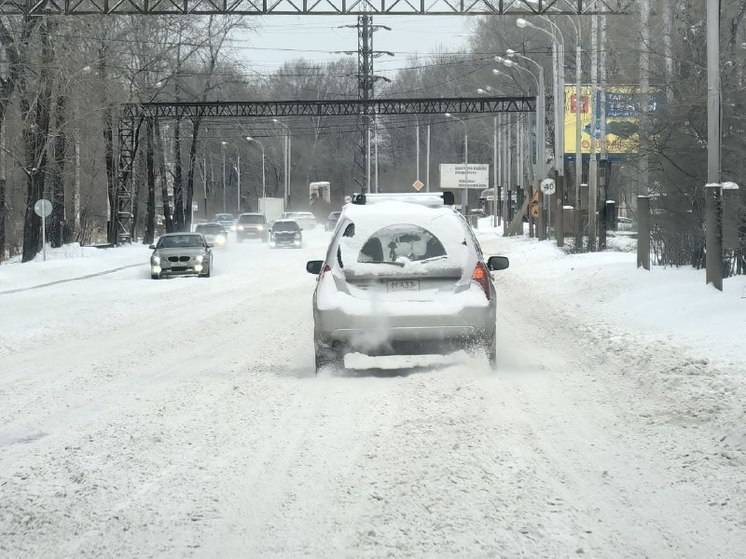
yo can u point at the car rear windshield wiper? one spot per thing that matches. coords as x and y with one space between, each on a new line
431 259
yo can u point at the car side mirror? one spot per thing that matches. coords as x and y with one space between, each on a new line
152 247
314 267
495 263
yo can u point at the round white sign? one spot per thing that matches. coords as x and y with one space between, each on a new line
548 186
43 208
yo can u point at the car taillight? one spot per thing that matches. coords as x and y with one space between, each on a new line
481 275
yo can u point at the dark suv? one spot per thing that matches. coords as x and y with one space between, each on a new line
251 226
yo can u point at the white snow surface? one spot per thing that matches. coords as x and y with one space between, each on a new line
182 418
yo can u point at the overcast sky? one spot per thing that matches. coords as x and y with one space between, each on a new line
283 38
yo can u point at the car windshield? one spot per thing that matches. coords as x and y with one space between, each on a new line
252 219
210 229
281 226
400 243
181 241
224 217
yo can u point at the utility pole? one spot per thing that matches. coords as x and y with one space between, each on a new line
604 165
365 82
238 182
592 161
643 188
578 139
223 144
494 171
417 143
427 159
713 188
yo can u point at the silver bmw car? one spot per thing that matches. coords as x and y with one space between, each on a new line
181 254
403 275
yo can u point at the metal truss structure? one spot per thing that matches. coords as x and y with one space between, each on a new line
316 7
133 115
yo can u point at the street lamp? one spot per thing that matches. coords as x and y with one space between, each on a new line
288 148
465 191
264 182
223 144
558 59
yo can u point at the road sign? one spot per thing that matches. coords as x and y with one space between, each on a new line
548 187
43 207
454 176
418 185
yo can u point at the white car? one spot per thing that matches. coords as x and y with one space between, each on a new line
403 275
306 220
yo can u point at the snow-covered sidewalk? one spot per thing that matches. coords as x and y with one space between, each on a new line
68 263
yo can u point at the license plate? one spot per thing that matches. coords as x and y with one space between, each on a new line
402 285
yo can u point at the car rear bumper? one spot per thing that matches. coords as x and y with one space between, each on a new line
253 233
402 334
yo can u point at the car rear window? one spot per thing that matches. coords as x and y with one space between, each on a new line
224 217
399 238
401 243
285 226
251 219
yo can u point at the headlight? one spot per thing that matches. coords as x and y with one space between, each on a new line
297 235
199 258
220 239
260 227
155 260
240 227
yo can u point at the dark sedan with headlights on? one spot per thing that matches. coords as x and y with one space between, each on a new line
187 254
251 226
285 233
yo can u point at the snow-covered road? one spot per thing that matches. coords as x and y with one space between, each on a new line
183 418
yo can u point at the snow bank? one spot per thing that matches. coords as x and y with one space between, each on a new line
672 304
68 262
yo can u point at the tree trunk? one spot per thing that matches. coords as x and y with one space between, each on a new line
190 174
108 133
178 177
150 173
57 219
35 140
167 220
3 182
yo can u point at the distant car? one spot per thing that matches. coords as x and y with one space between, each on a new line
181 254
286 233
251 226
331 221
226 220
214 233
403 275
305 219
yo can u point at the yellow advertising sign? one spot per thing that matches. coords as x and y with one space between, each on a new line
622 120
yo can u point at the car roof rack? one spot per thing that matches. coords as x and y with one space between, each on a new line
430 199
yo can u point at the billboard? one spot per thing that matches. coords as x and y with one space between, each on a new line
622 119
453 176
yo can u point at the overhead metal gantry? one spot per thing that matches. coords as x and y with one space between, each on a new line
316 108
316 7
134 114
